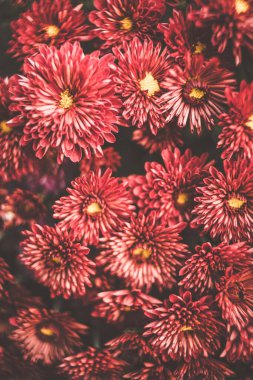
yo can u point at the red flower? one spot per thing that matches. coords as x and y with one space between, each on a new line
195 94
96 204
166 137
111 159
93 364
225 205
144 252
170 190
62 97
14 160
115 305
117 21
57 260
47 22
239 345
203 368
140 74
208 264
236 138
186 329
235 298
45 335
230 22
5 277
21 207
151 371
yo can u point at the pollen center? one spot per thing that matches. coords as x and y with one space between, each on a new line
196 93
150 84
66 100
143 252
199 48
47 331
126 24
249 122
56 260
241 6
186 328
94 209
182 199
236 203
52 30
4 127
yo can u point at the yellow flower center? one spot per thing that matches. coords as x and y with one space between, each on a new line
236 203
182 199
199 48
56 260
126 24
143 252
241 6
196 93
94 209
249 122
186 328
52 30
150 84
67 100
47 331
4 127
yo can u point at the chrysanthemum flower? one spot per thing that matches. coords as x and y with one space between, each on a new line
144 252
14 160
230 21
186 329
111 159
225 202
166 137
140 74
57 260
170 190
236 138
46 335
195 94
151 371
116 305
62 96
203 368
205 267
5 276
239 344
117 21
93 363
96 204
21 207
48 22
235 297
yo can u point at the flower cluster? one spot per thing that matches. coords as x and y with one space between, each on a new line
126 190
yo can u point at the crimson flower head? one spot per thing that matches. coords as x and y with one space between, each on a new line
111 159
239 344
235 297
203 368
195 93
170 189
96 205
5 276
230 22
225 202
57 260
205 267
21 207
145 252
118 21
93 364
151 371
61 97
48 22
185 329
45 335
142 68
117 305
236 137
